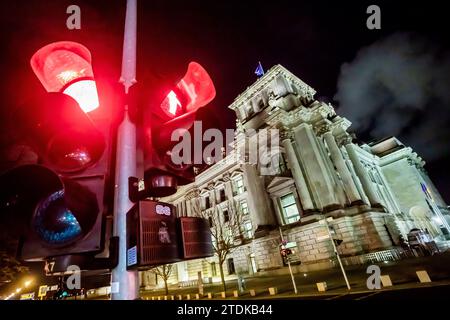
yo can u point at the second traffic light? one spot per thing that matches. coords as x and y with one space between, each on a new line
168 115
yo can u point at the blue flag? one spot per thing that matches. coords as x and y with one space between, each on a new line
259 70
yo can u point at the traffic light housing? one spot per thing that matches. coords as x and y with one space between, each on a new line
171 109
155 236
60 204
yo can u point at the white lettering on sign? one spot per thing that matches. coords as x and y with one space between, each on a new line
163 210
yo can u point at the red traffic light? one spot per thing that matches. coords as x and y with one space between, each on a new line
194 91
173 109
65 67
66 137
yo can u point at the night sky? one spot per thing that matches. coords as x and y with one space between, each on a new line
313 39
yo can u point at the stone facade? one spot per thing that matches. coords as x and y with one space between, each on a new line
371 194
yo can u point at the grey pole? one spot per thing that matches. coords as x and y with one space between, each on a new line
125 284
336 252
289 265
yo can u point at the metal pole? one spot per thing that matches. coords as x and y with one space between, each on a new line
289 265
337 255
125 284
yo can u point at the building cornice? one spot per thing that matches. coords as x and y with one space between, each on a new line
263 82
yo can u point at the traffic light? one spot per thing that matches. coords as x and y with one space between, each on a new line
169 111
58 206
286 252
155 235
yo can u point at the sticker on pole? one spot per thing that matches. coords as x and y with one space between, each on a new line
132 256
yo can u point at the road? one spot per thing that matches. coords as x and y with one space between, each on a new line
402 274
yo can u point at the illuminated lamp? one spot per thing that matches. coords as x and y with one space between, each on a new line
193 91
65 67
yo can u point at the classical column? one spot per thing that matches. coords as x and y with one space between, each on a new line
212 197
338 160
195 206
188 208
258 201
228 190
363 176
317 174
278 212
300 182
332 173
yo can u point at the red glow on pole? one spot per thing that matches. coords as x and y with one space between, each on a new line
196 90
66 67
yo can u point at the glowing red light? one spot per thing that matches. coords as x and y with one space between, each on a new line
171 103
196 90
66 67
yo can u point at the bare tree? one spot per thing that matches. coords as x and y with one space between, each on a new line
10 267
164 272
226 230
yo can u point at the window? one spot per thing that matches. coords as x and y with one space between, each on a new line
207 203
261 104
289 208
210 220
230 264
226 216
248 230
239 185
244 207
222 195
213 269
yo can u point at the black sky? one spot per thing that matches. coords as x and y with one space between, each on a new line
313 39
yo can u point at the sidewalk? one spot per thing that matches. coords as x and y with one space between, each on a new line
402 274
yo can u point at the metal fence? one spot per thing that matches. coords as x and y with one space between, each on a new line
386 255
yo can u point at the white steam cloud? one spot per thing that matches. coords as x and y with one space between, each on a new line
400 86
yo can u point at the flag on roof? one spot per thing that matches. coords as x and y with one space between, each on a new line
259 70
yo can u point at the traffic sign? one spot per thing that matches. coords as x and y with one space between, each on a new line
27 296
42 291
322 238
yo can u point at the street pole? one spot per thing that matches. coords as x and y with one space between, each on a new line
337 254
289 265
125 284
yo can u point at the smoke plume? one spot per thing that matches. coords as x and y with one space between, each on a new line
399 86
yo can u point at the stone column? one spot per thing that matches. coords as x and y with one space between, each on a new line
338 160
212 197
258 202
332 173
317 174
278 213
183 208
363 176
195 206
300 182
228 190
188 208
